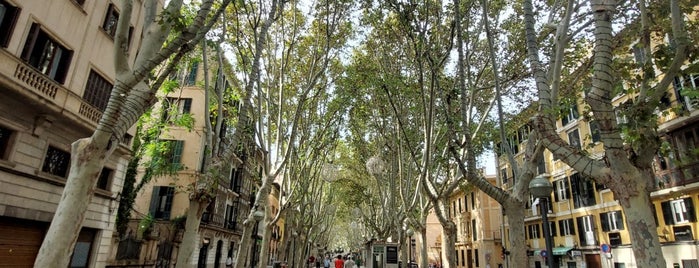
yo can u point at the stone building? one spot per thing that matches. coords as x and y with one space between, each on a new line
55 80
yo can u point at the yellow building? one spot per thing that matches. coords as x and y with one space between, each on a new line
56 75
478 220
166 198
587 223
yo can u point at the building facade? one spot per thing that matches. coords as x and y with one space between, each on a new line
55 81
586 221
478 220
163 202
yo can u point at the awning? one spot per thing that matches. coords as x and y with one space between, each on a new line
561 250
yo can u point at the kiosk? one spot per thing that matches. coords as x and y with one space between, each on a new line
382 255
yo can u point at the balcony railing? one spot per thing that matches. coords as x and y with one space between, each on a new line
677 176
212 219
36 82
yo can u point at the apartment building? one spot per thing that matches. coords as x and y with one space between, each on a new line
586 222
55 80
478 220
163 202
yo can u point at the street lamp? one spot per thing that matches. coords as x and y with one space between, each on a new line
409 232
541 187
257 215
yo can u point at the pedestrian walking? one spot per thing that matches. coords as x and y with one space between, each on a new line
349 263
338 262
326 262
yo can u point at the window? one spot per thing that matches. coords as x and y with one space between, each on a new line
97 91
79 2
678 211
566 227
475 255
683 83
105 178
574 138
173 153
683 233
8 17
46 54
614 239
562 189
161 202
586 230
570 115
474 229
612 221
56 162
583 191
236 179
229 220
686 141
552 228
619 265
192 76
180 105
503 175
533 231
594 131
5 141
110 20
541 163
473 200
81 252
460 210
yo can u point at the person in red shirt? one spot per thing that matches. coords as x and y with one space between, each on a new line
339 263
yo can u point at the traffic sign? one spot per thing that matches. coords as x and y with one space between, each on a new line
605 248
543 253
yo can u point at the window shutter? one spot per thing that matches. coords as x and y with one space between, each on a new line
191 79
692 216
620 219
168 202
604 219
154 200
667 213
186 105
177 151
557 185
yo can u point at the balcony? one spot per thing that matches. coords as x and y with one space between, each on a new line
212 219
677 176
29 82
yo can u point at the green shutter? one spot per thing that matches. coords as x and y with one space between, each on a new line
177 147
154 200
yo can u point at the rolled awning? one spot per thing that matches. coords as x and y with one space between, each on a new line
561 250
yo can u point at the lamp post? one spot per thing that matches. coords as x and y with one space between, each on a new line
541 187
409 232
257 215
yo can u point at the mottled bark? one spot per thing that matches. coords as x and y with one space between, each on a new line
191 232
129 99
448 243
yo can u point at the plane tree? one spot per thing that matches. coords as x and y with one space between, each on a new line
133 93
625 164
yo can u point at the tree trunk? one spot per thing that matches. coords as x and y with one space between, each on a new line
86 161
424 247
448 242
642 228
191 231
266 241
518 252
